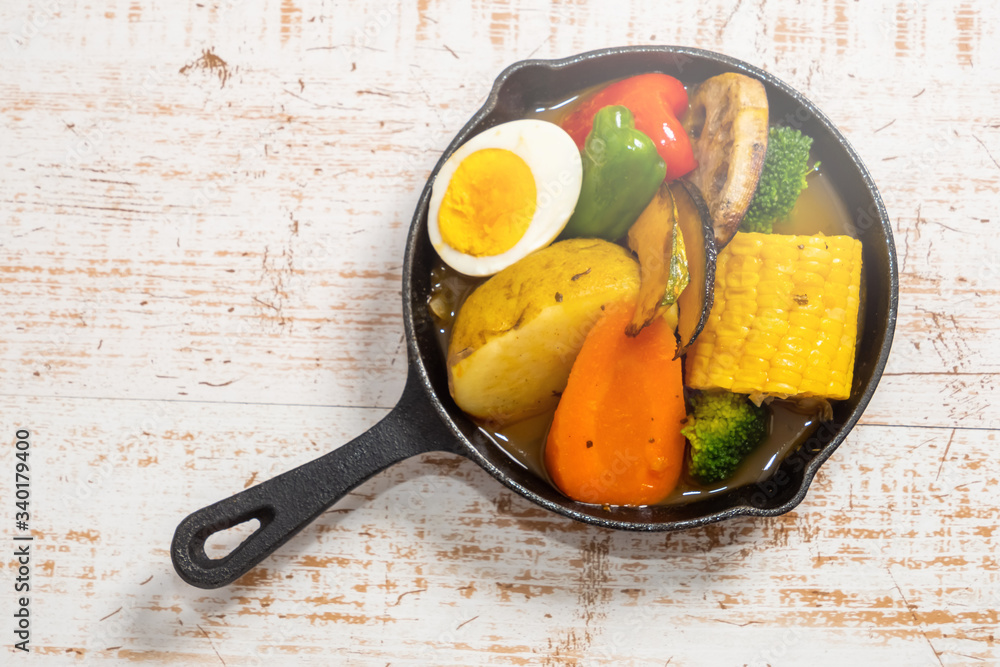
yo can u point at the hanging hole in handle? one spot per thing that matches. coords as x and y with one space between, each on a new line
228 534
221 543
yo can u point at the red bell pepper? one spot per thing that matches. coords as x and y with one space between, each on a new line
657 101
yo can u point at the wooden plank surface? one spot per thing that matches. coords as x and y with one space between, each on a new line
202 216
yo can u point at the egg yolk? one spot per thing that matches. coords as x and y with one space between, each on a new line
489 203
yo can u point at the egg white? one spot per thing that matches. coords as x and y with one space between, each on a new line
555 163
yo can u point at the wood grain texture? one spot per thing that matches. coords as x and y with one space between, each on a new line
202 216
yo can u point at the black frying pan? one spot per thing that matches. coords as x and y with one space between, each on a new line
426 419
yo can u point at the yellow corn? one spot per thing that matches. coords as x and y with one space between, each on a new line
785 318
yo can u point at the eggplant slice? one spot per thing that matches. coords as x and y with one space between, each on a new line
727 123
695 224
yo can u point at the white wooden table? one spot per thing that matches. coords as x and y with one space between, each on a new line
202 216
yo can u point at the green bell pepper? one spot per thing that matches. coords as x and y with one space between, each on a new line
621 172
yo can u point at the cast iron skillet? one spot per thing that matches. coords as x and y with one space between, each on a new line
426 419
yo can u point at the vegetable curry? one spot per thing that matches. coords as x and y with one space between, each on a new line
653 350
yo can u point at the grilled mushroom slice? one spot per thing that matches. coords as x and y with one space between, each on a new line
727 123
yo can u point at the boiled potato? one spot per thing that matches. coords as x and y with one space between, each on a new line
517 335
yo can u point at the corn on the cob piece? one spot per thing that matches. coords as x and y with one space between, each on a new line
785 318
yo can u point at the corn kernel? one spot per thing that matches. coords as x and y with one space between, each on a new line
803 278
804 320
785 376
839 275
761 351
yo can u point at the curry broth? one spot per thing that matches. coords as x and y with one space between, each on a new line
819 210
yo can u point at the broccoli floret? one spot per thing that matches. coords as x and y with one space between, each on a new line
722 428
782 179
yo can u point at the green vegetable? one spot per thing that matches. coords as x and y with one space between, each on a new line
621 172
722 428
679 276
782 179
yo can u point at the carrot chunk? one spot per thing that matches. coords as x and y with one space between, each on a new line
616 435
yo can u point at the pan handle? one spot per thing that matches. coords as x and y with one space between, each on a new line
285 504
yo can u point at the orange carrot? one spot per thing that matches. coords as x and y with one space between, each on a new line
616 435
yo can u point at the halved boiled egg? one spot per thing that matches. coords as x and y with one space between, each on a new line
504 194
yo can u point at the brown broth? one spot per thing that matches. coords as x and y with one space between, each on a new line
819 210
560 110
449 290
524 442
